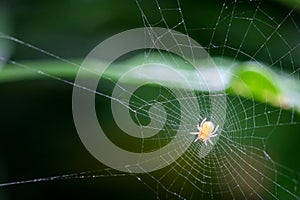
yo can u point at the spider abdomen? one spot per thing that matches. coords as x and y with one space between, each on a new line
206 130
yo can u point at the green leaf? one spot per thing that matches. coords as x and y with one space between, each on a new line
251 80
256 81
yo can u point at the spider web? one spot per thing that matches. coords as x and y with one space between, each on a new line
244 162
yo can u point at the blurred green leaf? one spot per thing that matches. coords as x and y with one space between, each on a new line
255 81
247 79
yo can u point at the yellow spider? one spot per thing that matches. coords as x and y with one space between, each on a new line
206 130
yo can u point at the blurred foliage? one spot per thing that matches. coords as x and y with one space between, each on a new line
248 79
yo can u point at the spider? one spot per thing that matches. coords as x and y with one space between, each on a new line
206 130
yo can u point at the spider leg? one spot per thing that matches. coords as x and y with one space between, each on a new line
215 130
198 127
194 133
210 141
213 135
205 142
196 139
203 121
